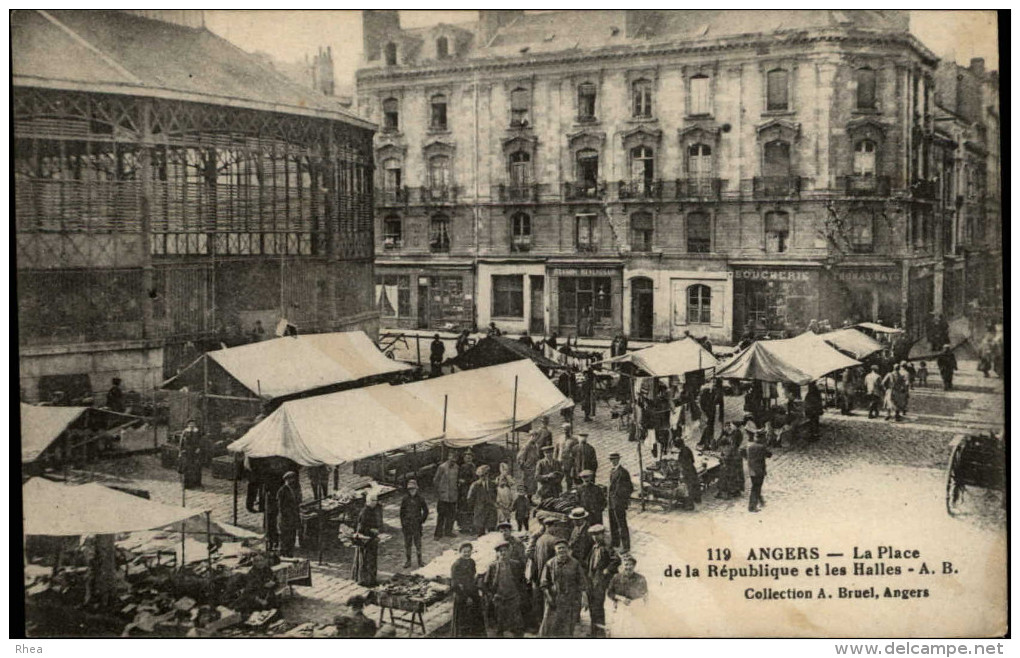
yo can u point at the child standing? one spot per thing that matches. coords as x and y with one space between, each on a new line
922 374
522 508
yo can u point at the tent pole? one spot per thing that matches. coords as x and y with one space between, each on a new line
445 400
512 436
235 472
417 345
640 440
320 524
208 540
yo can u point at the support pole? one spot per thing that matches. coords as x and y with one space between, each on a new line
320 523
208 541
640 440
235 472
512 436
417 346
446 399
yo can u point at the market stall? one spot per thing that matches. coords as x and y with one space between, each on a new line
496 350
53 437
852 342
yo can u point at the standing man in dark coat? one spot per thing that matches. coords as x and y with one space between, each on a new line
756 454
115 397
601 565
580 542
588 394
413 512
591 497
813 409
706 402
446 482
947 366
563 582
585 458
436 351
468 620
503 591
465 477
288 499
544 435
548 475
527 458
620 489
481 500
190 455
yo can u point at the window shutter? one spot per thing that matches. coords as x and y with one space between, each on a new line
718 307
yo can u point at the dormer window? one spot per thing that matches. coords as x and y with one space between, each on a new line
391 54
442 48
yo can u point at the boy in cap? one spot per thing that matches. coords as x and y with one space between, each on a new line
413 512
522 508
591 497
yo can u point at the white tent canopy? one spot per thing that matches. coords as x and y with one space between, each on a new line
51 508
878 328
857 344
296 364
673 358
798 360
40 426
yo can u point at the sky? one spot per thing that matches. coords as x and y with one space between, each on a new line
290 35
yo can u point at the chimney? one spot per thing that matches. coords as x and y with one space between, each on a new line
491 20
977 66
377 27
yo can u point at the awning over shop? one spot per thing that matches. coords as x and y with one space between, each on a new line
853 342
41 426
55 509
674 358
793 360
496 350
296 364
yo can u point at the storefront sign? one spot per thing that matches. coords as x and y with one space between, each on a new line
884 276
584 271
774 275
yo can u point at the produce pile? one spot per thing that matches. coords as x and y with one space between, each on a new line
562 503
414 587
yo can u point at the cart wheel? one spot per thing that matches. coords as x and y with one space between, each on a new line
954 488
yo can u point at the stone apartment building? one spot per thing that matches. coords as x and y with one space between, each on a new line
653 172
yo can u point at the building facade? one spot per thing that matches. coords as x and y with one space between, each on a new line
654 172
160 211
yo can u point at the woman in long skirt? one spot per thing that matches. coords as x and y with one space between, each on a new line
506 489
468 618
366 548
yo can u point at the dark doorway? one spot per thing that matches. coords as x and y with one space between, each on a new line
536 323
642 312
423 306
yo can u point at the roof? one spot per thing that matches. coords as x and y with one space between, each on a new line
878 328
674 358
853 342
55 509
494 350
798 360
117 52
41 426
297 364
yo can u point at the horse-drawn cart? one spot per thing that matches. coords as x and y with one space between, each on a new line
975 460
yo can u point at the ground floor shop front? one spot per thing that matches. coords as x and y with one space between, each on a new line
415 296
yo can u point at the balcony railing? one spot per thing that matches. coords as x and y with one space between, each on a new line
923 189
699 188
639 189
776 186
584 190
527 193
865 185
587 247
395 196
392 242
520 244
438 194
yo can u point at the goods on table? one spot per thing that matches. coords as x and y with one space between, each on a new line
483 555
260 618
412 587
563 503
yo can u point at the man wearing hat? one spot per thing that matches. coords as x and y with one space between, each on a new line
756 454
481 501
190 455
446 482
413 512
873 388
517 552
115 397
501 586
465 476
527 458
585 458
563 582
543 434
548 474
580 542
436 351
601 565
591 497
288 500
946 363
620 489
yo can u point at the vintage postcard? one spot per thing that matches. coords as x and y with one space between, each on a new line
510 323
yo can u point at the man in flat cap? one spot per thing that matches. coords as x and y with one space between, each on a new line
601 566
413 512
549 475
502 590
584 458
288 500
563 585
481 501
567 457
514 545
448 492
543 434
580 542
620 489
591 497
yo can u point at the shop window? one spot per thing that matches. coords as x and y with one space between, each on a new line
393 233
777 160
778 90
439 234
699 305
641 231
392 175
864 158
586 232
585 302
641 99
701 102
642 167
520 232
442 48
777 232
507 296
520 108
391 115
439 172
699 233
586 102
520 169
393 295
438 114
866 92
588 169
862 233
699 161
391 54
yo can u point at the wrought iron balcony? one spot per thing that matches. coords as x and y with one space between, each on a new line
584 190
392 242
639 189
866 185
439 195
527 193
699 188
391 196
776 186
520 244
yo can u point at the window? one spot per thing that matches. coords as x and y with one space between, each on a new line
642 167
520 232
588 169
699 161
700 100
393 235
778 93
520 106
861 233
586 102
393 295
507 296
439 234
699 233
585 302
442 48
391 54
641 93
391 115
438 117
439 172
392 179
777 160
641 231
699 305
866 93
864 158
777 232
586 232
520 169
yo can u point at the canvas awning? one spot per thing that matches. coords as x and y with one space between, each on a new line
798 360
496 350
55 509
673 358
853 342
877 328
41 426
296 364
